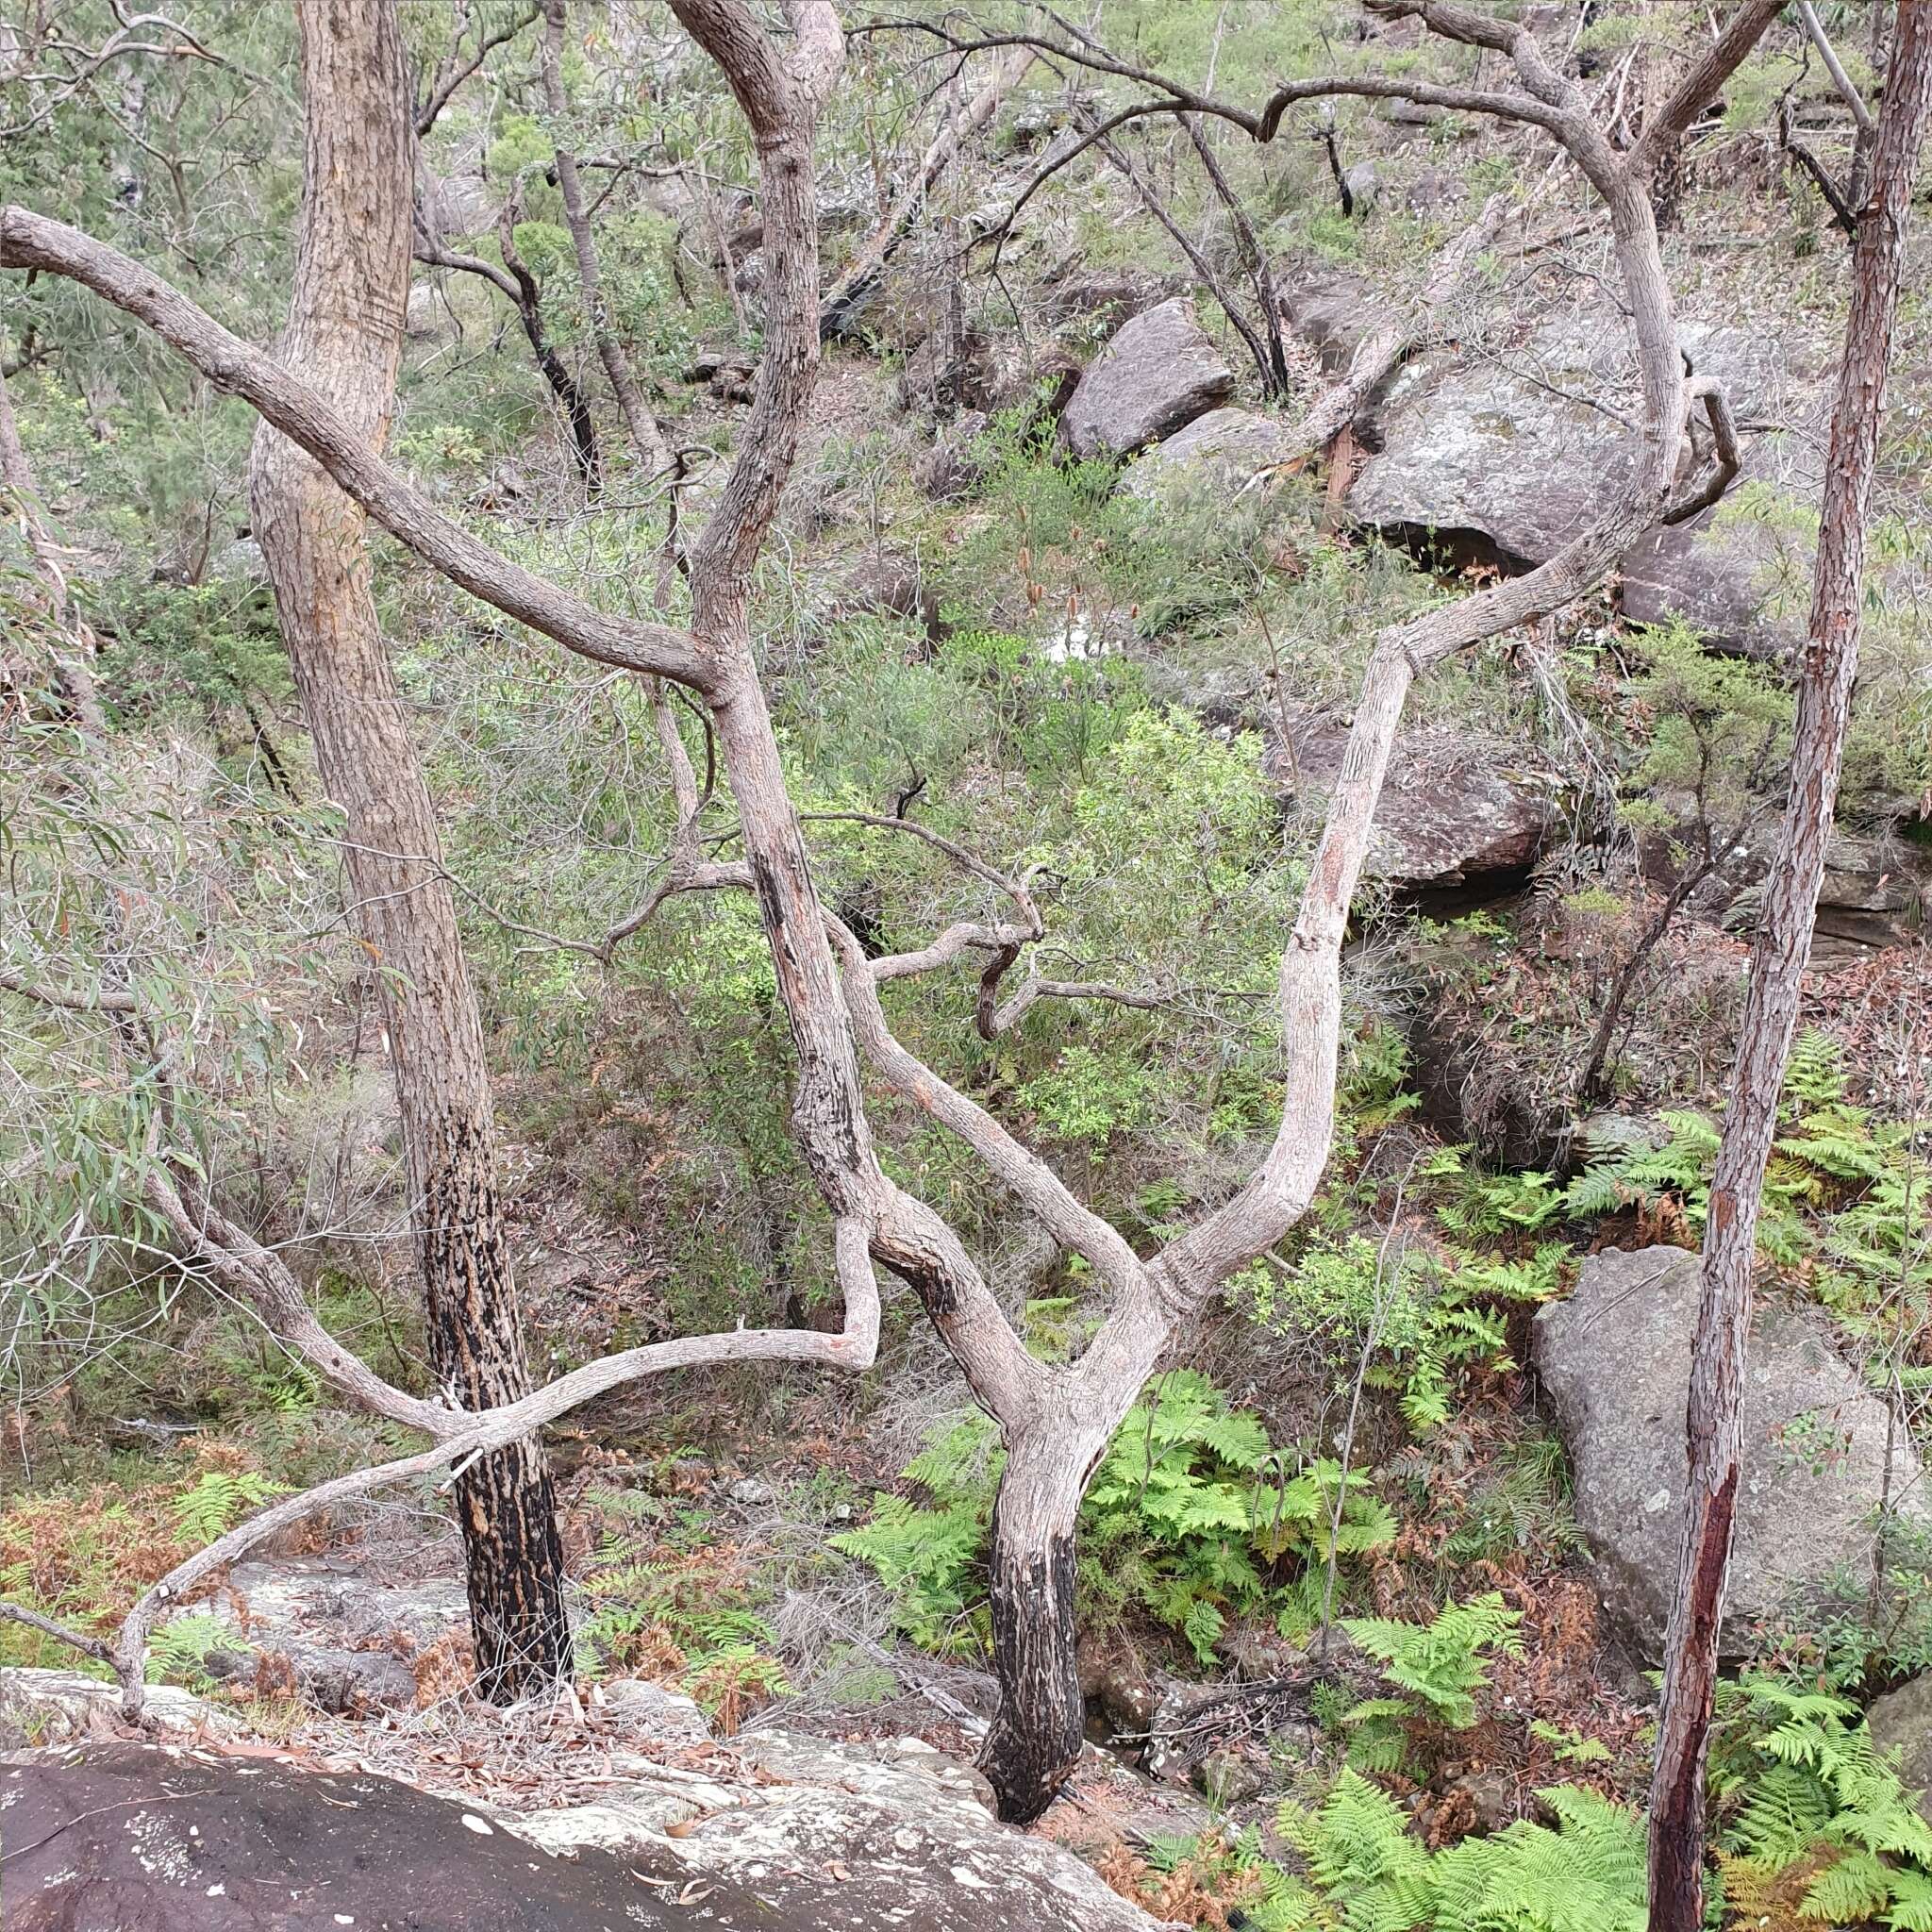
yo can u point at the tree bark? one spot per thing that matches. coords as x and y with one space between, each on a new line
345 337
646 438
1041 1720
1713 1420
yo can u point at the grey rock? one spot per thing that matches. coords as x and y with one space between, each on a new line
1875 893
1740 585
1226 449
1615 1359
1102 298
1901 1720
1513 450
782 1833
1229 1777
1157 375
458 204
1128 1699
1458 810
646 1712
956 464
1330 312
1607 1136
872 1838
346 1633
752 1492
60 1707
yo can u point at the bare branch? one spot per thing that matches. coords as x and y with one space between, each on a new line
454 68
1701 86
1724 431
32 1620
1836 68
33 241
104 1000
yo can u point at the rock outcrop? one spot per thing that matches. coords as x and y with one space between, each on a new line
348 1637
1227 449
1511 451
779 1832
1901 1720
1157 375
1457 810
1615 1358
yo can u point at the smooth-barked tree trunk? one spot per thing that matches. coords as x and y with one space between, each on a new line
1827 669
344 338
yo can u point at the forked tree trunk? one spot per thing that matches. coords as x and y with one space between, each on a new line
344 337
1770 1005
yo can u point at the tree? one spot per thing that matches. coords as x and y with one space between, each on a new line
1826 671
1055 1419
345 337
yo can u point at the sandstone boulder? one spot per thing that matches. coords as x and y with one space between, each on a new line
1157 375
1511 450
1902 1721
1458 810
1742 586
1225 450
776 1831
1615 1358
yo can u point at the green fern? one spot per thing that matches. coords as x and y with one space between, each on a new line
1586 1874
218 1501
1801 1780
1442 1663
179 1652
1191 1518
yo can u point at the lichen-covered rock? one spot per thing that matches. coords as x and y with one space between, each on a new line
60 1707
348 1635
884 1837
148 1838
1615 1358
1902 1721
1517 448
1741 585
1158 373
778 1832
1458 810
1332 312
1227 449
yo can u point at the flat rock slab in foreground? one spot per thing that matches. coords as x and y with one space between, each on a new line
151 1837
161 1838
1615 1358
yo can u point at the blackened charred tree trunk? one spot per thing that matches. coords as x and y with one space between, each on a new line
1038 1727
344 337
1771 1003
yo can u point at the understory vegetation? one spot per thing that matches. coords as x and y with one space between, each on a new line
1336 1609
